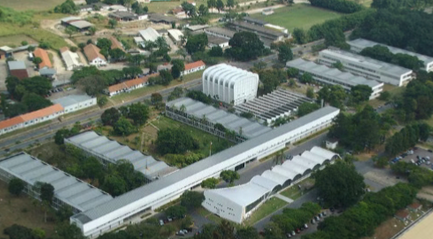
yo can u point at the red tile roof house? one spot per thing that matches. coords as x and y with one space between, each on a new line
403 215
129 85
193 67
415 207
31 118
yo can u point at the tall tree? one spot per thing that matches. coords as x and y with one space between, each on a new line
177 68
219 5
245 46
47 192
16 186
35 102
196 43
92 85
191 199
110 116
285 54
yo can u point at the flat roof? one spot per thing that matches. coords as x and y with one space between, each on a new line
113 151
335 74
17 65
254 20
221 31
233 122
364 43
258 28
197 27
366 61
157 17
193 170
71 100
149 34
67 188
216 40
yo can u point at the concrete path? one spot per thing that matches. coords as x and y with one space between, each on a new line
284 198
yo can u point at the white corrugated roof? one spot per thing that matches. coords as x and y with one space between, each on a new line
149 34
175 33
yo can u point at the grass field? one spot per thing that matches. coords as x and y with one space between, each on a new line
268 207
294 192
298 16
33 5
22 211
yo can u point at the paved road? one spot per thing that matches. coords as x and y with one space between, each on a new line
29 137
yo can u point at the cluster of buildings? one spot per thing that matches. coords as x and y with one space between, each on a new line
359 70
150 34
61 106
237 203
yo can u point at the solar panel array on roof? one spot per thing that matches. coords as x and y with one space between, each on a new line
112 151
250 129
68 189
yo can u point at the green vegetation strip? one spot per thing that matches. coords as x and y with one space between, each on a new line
268 207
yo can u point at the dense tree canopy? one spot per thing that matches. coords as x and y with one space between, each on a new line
16 186
334 95
245 46
67 7
406 138
200 96
360 93
110 116
191 199
229 176
209 183
339 184
124 127
177 68
306 108
35 102
196 43
343 6
382 53
271 79
285 54
175 141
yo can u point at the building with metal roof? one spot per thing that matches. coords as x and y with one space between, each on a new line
194 28
149 34
220 32
267 35
195 111
18 69
333 76
254 21
359 44
71 59
68 190
110 151
175 34
269 107
237 203
121 209
160 18
73 103
367 67
230 84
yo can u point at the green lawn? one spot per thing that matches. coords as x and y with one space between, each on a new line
298 15
294 192
268 207
34 5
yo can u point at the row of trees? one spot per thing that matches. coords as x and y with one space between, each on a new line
68 7
337 5
382 53
363 130
183 160
406 138
227 230
361 220
290 219
401 4
417 176
200 96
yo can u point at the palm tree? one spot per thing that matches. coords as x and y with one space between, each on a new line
279 157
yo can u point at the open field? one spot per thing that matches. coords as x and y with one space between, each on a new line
298 16
33 5
15 40
22 211
268 207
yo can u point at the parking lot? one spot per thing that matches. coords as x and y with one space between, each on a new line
419 156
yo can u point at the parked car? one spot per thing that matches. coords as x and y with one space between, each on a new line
293 233
313 221
431 151
161 222
305 226
289 235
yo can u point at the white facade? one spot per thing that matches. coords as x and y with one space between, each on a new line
193 67
230 84
237 203
98 61
359 44
73 103
121 209
367 67
333 76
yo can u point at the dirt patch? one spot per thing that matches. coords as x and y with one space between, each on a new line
22 211
57 62
388 229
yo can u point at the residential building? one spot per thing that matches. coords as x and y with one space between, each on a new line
71 59
149 34
359 44
403 215
28 119
176 35
73 103
193 67
115 44
93 56
333 76
238 203
109 151
193 111
415 207
18 69
69 191
230 84
367 67
143 200
129 85
179 12
277 104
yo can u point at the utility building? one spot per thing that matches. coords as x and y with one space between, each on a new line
367 67
230 84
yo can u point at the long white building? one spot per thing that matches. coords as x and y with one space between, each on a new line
122 209
333 76
237 203
367 67
230 84
359 44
